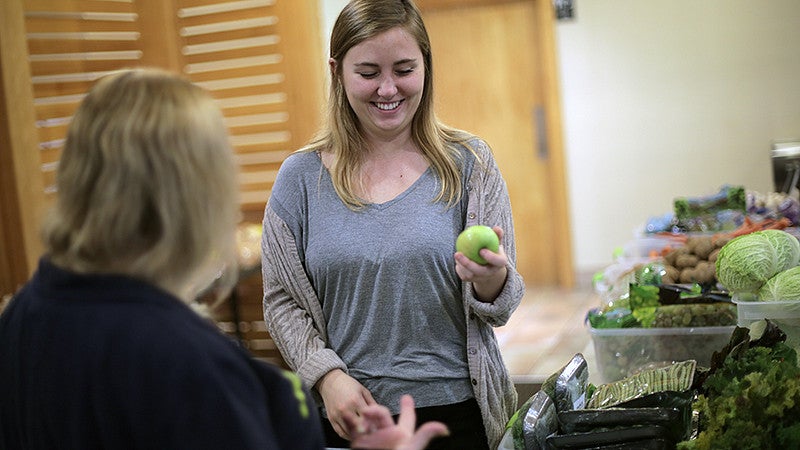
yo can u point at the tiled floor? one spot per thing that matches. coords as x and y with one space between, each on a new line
545 332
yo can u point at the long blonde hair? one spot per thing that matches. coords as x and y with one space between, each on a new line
146 182
361 20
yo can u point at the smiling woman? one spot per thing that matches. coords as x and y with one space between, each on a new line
404 185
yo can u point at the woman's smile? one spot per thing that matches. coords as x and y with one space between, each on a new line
383 78
387 106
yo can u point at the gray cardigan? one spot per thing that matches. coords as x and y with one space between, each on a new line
295 321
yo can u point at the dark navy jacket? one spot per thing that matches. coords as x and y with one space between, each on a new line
107 361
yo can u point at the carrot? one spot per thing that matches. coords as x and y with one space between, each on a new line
779 224
750 226
677 238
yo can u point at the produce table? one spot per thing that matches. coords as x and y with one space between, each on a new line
698 327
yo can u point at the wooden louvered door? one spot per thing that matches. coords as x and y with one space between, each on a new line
249 54
260 59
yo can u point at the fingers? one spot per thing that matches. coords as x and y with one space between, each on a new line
344 419
367 396
376 416
407 421
340 427
499 232
408 417
374 427
427 432
349 420
469 270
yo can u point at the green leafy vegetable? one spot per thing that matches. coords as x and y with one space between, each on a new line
643 296
751 401
786 246
746 262
783 286
645 315
728 198
651 273
614 318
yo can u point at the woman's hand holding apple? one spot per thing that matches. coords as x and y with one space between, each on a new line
487 279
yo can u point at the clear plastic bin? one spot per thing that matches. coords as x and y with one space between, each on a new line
621 352
785 314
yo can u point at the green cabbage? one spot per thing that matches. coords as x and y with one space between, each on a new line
787 247
746 262
783 286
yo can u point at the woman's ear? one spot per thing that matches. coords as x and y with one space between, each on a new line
332 65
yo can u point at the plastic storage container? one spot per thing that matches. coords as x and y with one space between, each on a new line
785 314
621 352
648 247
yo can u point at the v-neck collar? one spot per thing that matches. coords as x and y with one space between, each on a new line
399 197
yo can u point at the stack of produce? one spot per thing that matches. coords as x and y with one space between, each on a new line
700 226
651 409
724 211
666 306
749 399
711 213
693 262
762 272
761 265
683 258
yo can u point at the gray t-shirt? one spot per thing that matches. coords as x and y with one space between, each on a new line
386 278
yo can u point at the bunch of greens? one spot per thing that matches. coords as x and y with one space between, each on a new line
750 398
649 305
720 211
728 198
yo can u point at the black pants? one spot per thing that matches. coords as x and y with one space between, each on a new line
463 419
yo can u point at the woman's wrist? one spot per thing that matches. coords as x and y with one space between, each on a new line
328 379
487 291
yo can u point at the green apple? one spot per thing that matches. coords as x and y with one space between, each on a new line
474 238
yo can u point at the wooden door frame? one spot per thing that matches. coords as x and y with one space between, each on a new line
21 193
551 97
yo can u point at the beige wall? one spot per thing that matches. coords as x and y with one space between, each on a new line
668 98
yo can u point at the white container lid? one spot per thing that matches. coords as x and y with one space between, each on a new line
673 331
757 310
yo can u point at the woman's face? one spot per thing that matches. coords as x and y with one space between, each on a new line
383 78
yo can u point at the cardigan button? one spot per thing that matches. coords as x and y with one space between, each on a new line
471 215
474 382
